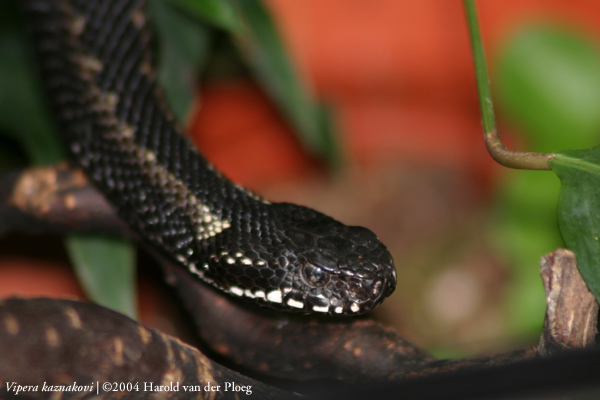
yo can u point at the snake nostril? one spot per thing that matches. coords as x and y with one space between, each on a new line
376 287
389 288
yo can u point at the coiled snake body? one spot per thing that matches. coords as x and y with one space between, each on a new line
97 67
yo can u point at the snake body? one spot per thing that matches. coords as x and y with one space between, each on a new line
97 66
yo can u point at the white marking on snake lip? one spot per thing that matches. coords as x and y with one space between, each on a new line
354 307
338 310
195 270
261 262
259 293
238 254
230 260
286 290
248 293
236 290
321 308
275 296
246 261
295 303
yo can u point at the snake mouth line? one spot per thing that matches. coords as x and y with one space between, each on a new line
280 298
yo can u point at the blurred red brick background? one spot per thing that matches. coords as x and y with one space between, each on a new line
398 74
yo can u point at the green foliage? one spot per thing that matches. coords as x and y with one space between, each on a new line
183 51
105 268
265 53
578 216
22 110
548 81
218 13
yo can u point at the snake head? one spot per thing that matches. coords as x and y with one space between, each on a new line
325 266
292 258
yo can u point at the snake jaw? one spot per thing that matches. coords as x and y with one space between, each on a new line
331 268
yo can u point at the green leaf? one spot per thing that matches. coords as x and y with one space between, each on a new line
578 209
23 114
106 270
549 82
261 45
183 52
219 13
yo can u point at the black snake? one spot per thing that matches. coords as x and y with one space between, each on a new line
98 70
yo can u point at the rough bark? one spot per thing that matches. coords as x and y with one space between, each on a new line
292 347
572 310
55 200
79 350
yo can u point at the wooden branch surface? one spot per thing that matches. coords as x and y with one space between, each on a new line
49 343
59 200
55 200
572 310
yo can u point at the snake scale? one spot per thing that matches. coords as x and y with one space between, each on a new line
97 66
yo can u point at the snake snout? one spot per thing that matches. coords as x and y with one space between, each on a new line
368 290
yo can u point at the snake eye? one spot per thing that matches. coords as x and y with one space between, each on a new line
314 275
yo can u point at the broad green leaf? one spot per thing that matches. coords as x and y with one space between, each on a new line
549 82
24 115
103 270
578 209
219 13
183 52
261 45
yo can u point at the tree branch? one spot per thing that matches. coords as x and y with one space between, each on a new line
282 345
59 343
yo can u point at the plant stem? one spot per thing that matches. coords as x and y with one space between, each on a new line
504 156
